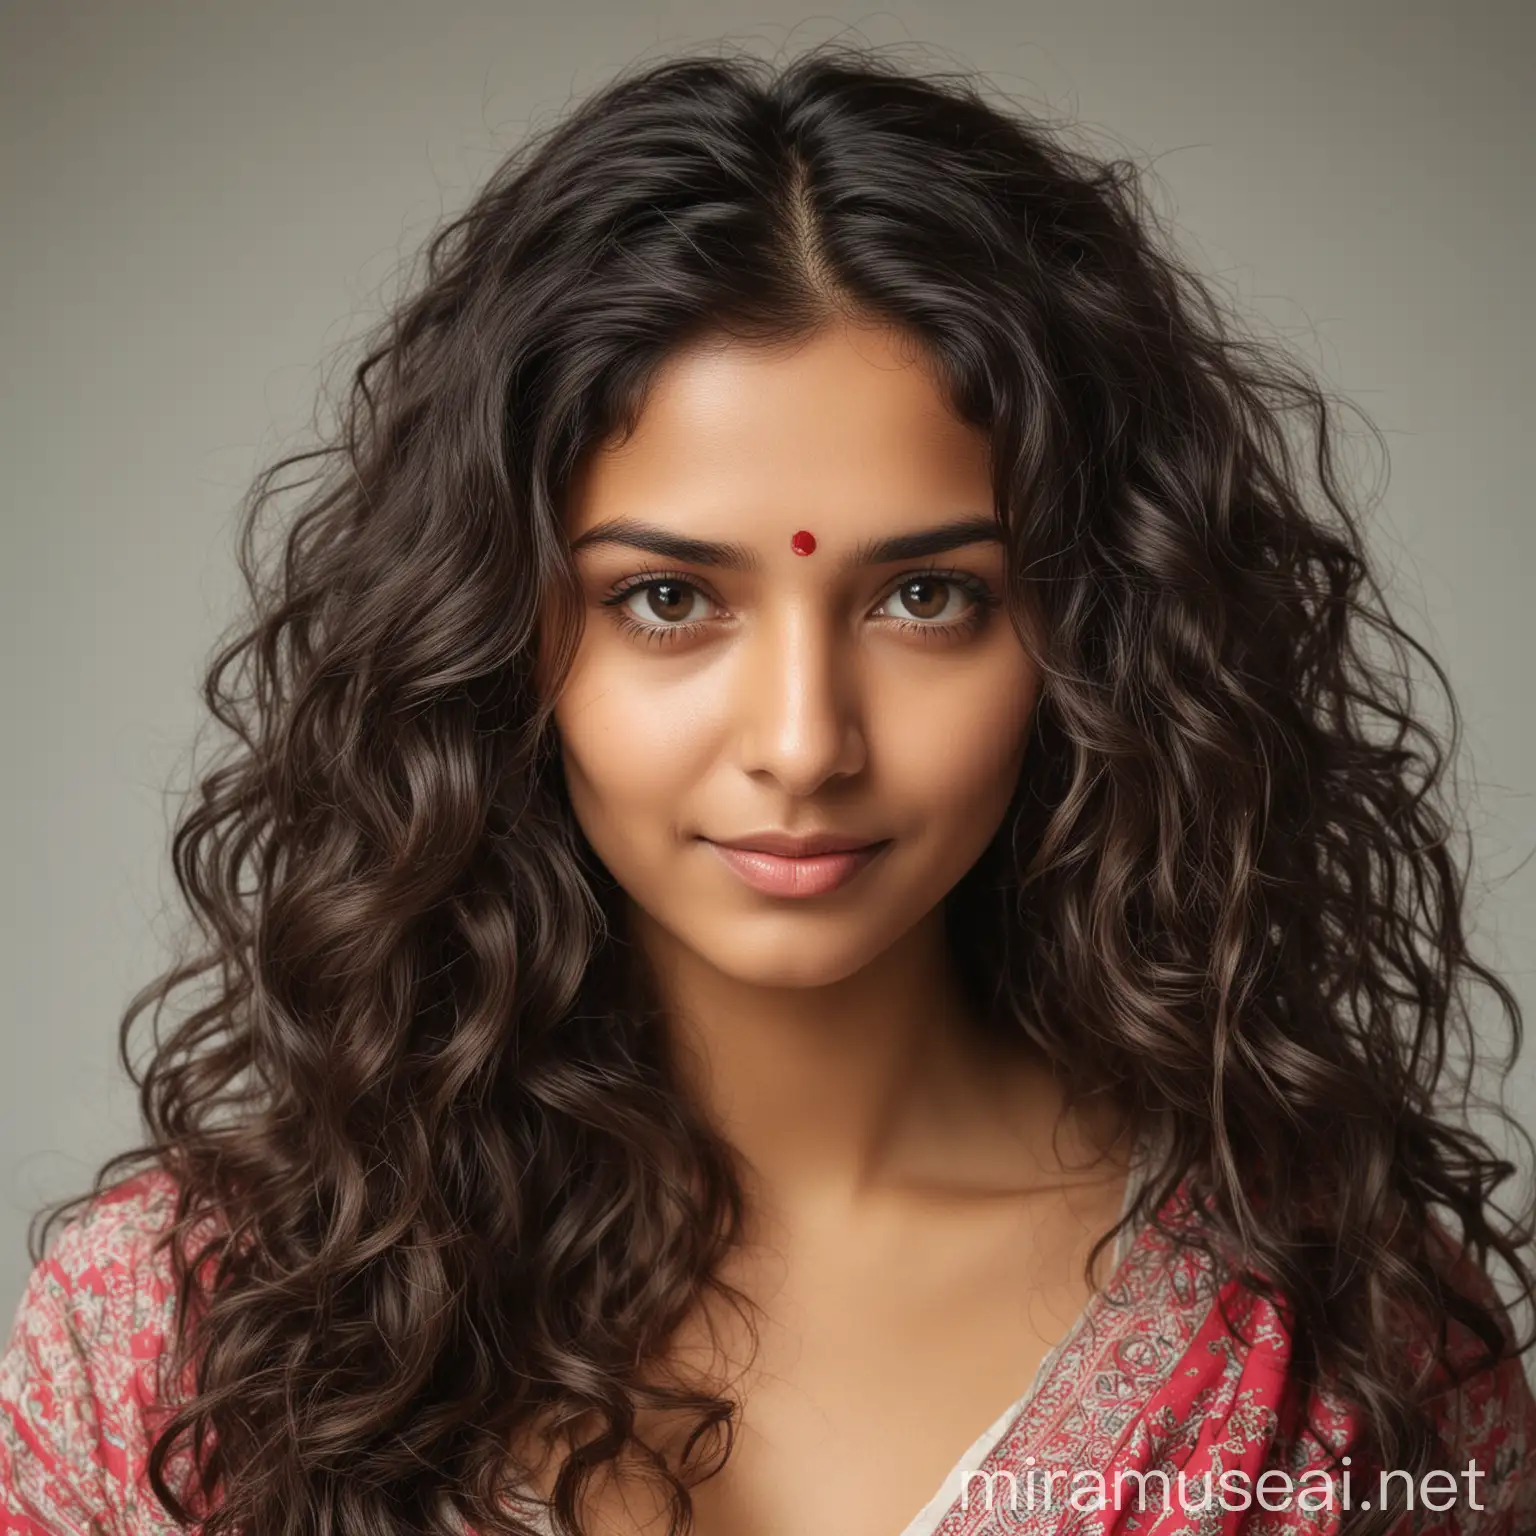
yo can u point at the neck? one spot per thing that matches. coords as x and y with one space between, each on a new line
830 1092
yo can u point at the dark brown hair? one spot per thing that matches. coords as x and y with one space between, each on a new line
460 1193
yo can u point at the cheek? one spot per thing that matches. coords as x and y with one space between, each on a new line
631 741
956 752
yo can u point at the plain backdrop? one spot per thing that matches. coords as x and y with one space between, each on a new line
201 203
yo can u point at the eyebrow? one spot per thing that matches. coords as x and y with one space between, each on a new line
737 557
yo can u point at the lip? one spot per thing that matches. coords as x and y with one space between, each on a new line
779 864
792 845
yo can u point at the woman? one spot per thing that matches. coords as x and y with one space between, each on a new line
827 912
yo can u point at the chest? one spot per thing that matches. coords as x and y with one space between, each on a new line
878 1364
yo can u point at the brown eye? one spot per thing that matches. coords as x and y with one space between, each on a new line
669 600
663 603
925 599
928 599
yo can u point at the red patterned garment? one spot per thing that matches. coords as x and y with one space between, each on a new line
1169 1394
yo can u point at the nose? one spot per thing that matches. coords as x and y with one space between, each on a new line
798 705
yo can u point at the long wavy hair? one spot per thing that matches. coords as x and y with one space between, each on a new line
458 1192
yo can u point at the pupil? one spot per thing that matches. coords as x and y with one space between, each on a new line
924 598
667 597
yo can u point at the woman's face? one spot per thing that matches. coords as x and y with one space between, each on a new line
731 693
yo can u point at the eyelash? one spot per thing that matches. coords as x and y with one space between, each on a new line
983 603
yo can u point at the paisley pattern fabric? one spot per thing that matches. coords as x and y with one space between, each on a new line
1160 1414
1167 1411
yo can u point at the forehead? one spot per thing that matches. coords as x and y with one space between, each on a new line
847 427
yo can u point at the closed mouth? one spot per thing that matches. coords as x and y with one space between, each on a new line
799 874
787 845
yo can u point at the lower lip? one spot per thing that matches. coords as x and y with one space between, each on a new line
776 874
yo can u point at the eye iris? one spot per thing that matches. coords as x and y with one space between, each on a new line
925 597
668 599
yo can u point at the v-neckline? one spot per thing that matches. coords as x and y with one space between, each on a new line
933 1514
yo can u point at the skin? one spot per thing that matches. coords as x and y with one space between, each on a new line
920 1207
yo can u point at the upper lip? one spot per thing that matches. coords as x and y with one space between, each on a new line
790 845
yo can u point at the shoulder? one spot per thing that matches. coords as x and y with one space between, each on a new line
1481 1408
106 1285
1485 1412
1221 1349
80 1372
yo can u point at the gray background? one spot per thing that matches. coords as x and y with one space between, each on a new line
200 204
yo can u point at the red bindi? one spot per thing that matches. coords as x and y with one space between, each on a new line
803 543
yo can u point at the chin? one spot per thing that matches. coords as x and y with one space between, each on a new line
789 960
